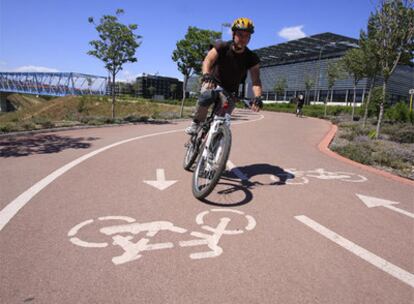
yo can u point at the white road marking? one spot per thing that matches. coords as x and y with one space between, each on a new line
297 177
400 211
8 212
395 271
116 218
132 250
75 229
81 243
160 183
123 235
371 202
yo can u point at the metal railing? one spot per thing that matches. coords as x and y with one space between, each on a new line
52 84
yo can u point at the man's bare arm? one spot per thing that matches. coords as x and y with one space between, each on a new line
256 82
209 61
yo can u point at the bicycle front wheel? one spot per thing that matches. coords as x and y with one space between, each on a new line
211 163
190 154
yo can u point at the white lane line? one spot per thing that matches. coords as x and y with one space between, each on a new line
12 208
395 271
8 212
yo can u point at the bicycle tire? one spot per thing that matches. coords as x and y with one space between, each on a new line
224 136
190 154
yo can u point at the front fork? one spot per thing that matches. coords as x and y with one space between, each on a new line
207 152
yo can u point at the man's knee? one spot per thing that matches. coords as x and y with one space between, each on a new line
207 98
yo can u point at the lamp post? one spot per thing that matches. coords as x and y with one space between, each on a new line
319 75
224 25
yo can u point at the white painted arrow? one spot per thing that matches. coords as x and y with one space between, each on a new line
371 202
160 183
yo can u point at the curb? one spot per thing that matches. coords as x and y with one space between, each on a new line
324 148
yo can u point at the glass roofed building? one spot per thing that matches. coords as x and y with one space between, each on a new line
306 60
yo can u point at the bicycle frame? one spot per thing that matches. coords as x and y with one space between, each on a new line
212 123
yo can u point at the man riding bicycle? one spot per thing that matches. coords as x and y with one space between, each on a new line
226 65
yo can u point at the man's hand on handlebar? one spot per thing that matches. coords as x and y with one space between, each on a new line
208 81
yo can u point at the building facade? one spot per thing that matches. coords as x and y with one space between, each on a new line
158 87
305 61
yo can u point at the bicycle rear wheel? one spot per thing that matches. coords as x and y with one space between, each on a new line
210 165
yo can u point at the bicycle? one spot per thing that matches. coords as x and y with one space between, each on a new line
299 112
209 149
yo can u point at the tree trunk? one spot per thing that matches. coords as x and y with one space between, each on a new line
113 95
381 113
353 103
182 101
371 87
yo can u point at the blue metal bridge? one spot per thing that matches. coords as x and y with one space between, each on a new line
52 84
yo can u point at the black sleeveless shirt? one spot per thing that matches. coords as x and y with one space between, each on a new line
230 68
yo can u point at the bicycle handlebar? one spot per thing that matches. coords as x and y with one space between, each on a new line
247 102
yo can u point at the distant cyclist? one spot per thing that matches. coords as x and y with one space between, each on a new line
300 101
226 65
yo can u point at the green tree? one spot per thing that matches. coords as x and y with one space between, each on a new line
371 65
354 63
190 53
117 45
335 72
393 29
280 86
309 82
151 91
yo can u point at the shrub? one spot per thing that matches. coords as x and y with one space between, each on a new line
43 122
405 135
372 134
358 152
81 104
373 107
389 159
338 110
28 126
7 127
135 118
132 118
398 113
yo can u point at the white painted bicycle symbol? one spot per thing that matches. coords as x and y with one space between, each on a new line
297 177
123 235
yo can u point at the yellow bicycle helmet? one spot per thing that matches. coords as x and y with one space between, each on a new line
243 24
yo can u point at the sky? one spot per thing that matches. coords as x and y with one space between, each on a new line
54 35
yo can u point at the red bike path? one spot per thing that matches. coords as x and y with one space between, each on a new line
285 225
